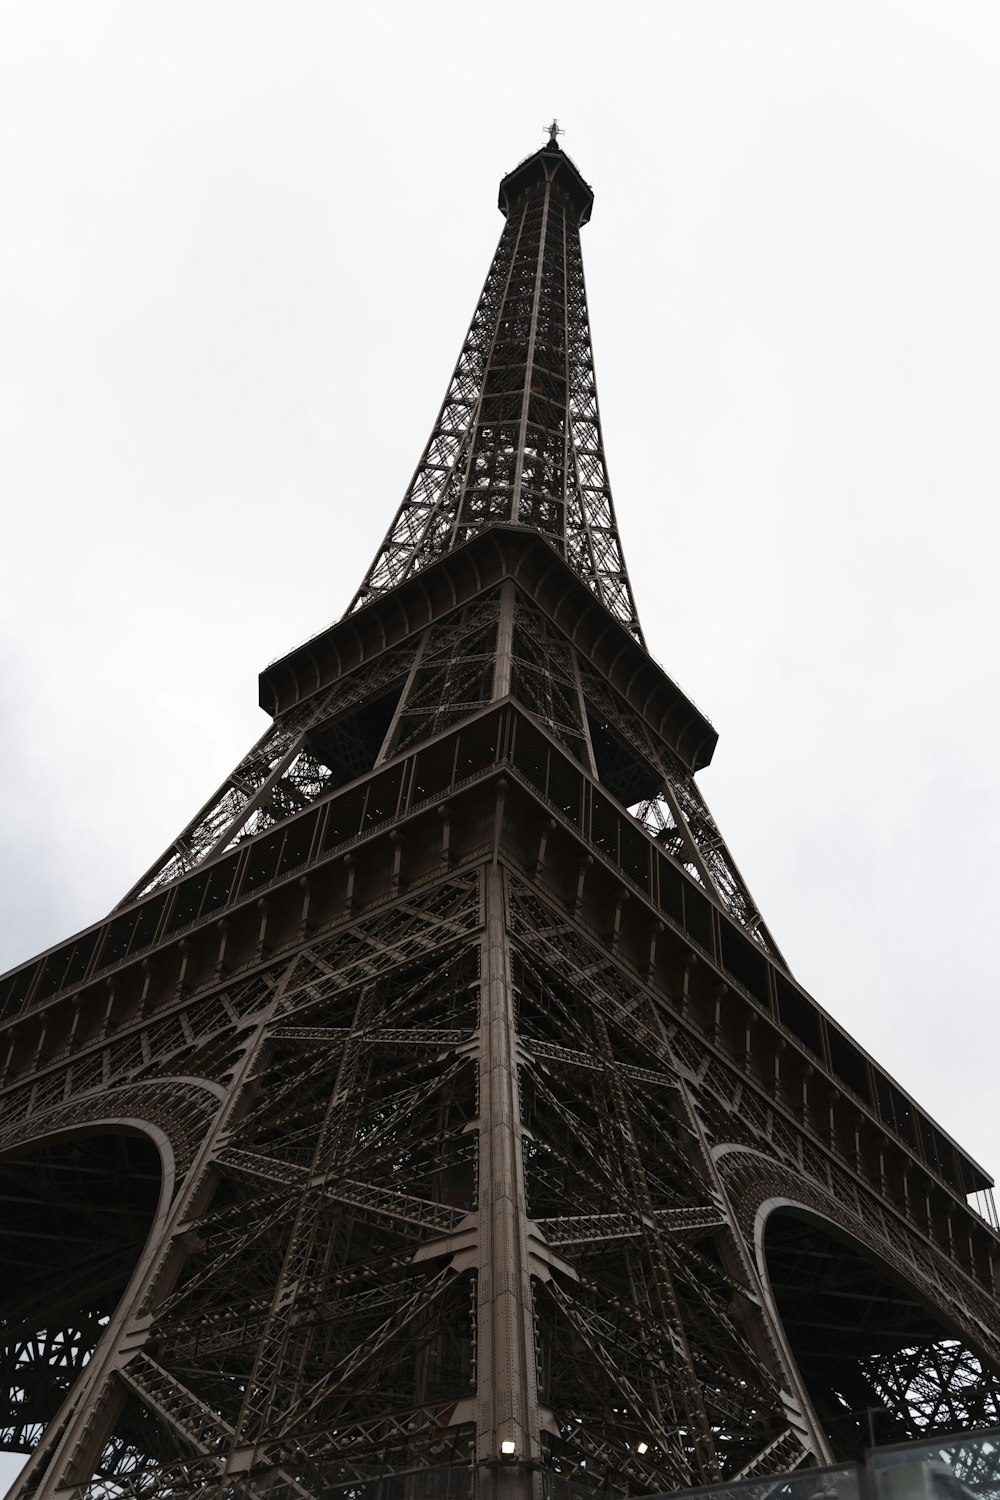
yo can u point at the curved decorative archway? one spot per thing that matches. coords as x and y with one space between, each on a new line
879 1364
76 1210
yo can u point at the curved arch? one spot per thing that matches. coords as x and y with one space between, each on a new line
882 1362
81 1209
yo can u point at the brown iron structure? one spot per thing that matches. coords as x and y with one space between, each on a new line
438 1116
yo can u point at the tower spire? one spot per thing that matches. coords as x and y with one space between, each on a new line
518 437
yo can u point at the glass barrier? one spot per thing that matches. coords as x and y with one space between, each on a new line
842 1482
966 1467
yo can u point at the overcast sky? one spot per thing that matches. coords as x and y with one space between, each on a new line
240 245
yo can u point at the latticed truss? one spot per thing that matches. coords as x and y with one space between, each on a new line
676 813
940 1384
518 438
330 1316
654 1265
289 767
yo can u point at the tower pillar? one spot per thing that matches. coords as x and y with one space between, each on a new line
507 1412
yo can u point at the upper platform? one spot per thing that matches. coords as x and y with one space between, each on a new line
483 562
549 165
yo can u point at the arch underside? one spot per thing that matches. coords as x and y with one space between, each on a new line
880 1365
74 1217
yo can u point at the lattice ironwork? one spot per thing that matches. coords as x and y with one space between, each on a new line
518 437
454 674
327 1315
329 740
546 679
673 809
436 1119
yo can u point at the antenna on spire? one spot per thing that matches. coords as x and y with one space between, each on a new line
554 130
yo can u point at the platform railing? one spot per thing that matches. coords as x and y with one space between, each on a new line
983 1203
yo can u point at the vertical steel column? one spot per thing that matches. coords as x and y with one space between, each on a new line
505 642
507 1401
529 363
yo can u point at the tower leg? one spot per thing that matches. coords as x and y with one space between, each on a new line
507 1400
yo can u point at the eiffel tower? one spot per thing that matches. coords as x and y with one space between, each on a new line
438 1116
